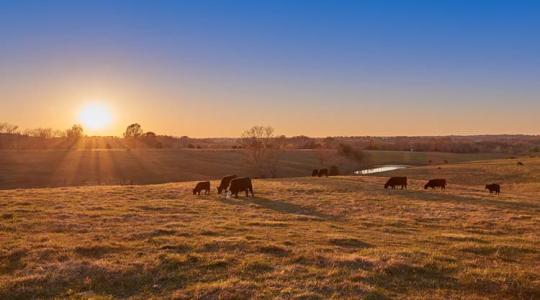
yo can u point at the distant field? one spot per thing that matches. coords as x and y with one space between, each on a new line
50 168
299 238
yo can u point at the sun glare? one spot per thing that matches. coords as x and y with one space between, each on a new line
95 116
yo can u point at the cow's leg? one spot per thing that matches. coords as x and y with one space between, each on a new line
247 192
252 194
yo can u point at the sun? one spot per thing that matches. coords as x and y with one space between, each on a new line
95 116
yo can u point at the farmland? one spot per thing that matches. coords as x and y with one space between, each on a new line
56 168
302 237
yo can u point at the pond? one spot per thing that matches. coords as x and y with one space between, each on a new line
380 169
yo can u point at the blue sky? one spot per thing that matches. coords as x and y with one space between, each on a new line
214 68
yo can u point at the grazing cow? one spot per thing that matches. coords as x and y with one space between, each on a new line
202 186
323 172
435 183
242 184
315 173
224 185
396 181
493 188
520 163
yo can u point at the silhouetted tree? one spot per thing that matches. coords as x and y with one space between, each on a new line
334 171
75 132
133 131
262 149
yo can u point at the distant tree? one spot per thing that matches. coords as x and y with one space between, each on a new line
323 156
351 153
133 131
43 133
334 171
262 149
75 132
150 138
59 133
8 128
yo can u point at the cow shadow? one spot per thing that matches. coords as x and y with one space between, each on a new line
474 199
280 206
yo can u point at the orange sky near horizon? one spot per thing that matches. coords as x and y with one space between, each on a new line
319 68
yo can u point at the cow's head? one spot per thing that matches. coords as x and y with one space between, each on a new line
219 189
194 191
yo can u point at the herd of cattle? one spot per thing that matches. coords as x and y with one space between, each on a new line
234 185
229 184
433 184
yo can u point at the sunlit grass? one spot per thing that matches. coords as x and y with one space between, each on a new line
307 238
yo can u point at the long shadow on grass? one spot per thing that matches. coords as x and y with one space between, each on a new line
280 206
457 199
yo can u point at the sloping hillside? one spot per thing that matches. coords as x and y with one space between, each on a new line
56 168
341 237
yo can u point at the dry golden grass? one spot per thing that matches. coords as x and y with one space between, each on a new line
301 238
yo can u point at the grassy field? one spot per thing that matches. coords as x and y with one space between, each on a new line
299 238
53 168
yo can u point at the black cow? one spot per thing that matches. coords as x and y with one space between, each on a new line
436 183
323 172
493 188
224 185
520 163
242 184
396 181
315 173
202 186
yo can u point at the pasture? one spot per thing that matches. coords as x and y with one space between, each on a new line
56 168
299 238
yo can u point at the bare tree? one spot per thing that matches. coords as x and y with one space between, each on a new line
75 132
43 133
262 149
8 128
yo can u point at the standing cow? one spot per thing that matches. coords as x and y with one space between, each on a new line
323 172
224 185
242 184
493 188
315 173
396 181
436 183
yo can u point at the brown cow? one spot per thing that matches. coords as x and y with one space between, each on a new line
396 181
202 186
323 172
520 163
225 181
493 188
436 183
242 184
315 173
